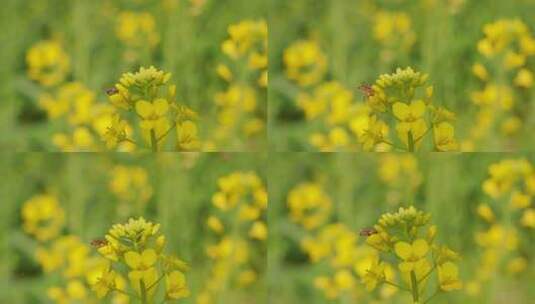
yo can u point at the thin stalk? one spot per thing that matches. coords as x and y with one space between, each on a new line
153 141
395 285
428 273
167 132
155 283
411 142
126 293
432 296
144 299
414 287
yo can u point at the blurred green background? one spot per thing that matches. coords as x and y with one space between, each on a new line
449 187
182 186
445 47
191 33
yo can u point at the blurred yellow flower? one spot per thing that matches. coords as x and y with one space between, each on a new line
137 29
305 63
43 217
47 63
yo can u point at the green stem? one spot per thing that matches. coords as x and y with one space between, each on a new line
428 273
143 292
155 283
432 296
395 285
411 142
125 293
167 132
153 141
414 287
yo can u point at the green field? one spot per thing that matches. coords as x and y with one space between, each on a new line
360 189
267 151
102 41
360 40
176 193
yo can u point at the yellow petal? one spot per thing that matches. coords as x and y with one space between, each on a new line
149 257
417 108
418 129
401 110
132 259
177 279
144 108
403 250
405 266
160 106
420 247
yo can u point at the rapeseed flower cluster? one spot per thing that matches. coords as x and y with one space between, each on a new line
240 228
404 100
505 71
132 188
405 238
400 101
137 247
401 175
147 98
240 107
64 257
48 63
508 219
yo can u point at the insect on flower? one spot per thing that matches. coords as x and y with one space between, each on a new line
367 231
112 91
367 90
97 243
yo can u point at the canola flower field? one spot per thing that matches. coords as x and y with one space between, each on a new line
192 227
70 82
341 75
267 151
461 227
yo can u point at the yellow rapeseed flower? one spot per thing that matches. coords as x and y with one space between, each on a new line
47 63
43 217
